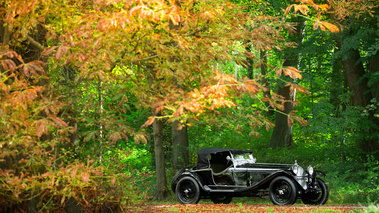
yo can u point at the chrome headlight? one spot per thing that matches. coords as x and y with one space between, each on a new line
295 169
310 170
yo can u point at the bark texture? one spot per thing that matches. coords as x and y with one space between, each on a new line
180 156
282 134
358 84
162 189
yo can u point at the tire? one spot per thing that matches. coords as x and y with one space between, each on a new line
223 200
176 176
187 191
282 191
317 198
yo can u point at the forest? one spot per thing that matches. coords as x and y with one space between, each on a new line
103 101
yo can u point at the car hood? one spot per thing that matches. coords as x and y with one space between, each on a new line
267 165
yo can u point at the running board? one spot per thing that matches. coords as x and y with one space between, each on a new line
206 188
225 186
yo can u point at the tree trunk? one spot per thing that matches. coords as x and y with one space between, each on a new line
180 156
162 189
354 72
250 69
362 96
338 86
282 134
373 67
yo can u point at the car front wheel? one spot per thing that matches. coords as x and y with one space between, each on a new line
223 200
282 191
317 198
187 191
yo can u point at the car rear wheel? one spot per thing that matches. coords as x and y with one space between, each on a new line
317 198
187 191
282 191
223 200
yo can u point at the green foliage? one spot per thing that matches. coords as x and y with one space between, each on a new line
371 208
354 182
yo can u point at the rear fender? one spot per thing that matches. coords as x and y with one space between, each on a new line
177 175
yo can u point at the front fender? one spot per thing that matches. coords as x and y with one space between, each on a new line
320 173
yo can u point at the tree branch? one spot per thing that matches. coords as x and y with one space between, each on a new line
34 43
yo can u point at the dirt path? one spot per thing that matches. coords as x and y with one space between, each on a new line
247 208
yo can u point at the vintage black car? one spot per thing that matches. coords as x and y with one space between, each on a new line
221 174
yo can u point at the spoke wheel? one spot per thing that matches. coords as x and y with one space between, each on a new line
283 191
223 200
317 198
187 191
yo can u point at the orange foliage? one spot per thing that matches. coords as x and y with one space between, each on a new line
319 8
164 47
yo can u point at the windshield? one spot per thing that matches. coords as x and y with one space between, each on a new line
245 158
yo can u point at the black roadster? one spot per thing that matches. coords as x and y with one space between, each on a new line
221 174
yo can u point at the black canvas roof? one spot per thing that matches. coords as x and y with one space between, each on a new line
203 154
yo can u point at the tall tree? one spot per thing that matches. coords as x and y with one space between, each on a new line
162 188
282 133
360 37
180 152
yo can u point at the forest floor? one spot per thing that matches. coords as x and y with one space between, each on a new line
242 208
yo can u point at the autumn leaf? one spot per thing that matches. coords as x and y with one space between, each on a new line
89 136
62 50
316 24
114 137
62 200
288 9
179 111
278 72
157 105
301 121
290 121
47 51
149 121
4 88
41 127
5 65
113 180
73 173
331 27
324 7
85 177
267 125
139 138
26 71
59 121
8 64
302 8
301 89
292 72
